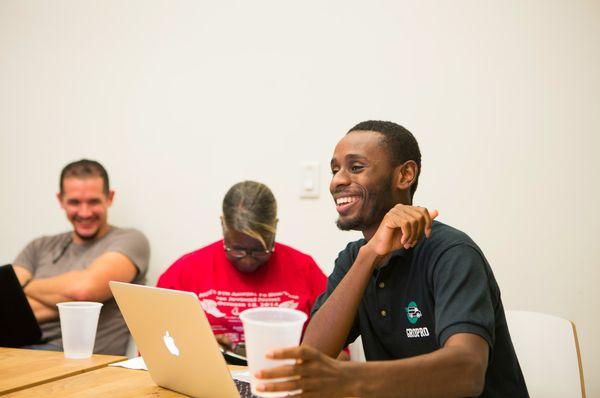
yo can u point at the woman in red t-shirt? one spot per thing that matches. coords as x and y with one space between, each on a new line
247 268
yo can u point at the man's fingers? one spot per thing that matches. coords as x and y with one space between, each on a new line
418 224
299 352
284 353
309 384
428 221
403 226
406 219
432 215
421 228
406 232
428 217
279 371
289 385
304 355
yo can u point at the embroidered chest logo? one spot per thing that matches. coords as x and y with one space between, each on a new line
413 314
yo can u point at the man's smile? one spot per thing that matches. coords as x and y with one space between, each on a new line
86 222
344 203
85 226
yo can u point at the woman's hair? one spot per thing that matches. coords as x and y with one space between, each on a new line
249 207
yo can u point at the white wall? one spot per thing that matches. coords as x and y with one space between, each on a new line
181 99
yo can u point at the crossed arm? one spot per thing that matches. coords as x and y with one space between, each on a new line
90 284
456 369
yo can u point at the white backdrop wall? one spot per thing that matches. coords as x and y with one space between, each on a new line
181 99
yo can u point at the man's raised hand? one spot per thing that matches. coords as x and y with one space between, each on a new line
402 227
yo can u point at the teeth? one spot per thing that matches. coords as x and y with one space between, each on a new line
348 199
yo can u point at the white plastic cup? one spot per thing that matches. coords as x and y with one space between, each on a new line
265 329
78 324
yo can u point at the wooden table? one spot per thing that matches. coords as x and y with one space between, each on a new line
23 369
94 380
114 382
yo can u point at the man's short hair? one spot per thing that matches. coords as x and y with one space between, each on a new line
399 142
249 207
84 168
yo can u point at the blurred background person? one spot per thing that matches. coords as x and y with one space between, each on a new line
247 268
76 265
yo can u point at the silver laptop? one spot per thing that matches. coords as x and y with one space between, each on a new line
176 341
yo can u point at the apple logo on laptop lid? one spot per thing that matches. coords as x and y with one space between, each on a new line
170 344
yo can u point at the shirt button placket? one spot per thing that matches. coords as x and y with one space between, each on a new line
382 300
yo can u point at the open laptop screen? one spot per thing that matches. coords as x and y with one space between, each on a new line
18 326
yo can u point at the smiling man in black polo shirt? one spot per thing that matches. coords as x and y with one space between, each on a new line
428 310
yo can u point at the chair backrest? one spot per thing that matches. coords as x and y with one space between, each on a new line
132 350
357 352
548 352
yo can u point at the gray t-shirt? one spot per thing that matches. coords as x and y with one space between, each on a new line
50 256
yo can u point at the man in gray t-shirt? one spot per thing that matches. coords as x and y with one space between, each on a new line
77 265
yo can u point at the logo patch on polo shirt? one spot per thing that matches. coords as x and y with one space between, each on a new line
413 314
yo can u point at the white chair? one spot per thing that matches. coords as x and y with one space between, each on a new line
132 350
548 351
357 352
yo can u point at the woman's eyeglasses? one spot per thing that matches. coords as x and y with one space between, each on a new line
241 253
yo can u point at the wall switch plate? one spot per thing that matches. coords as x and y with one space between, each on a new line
309 180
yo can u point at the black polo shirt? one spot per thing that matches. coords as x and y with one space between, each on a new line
422 296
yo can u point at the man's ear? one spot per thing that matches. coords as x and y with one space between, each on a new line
405 175
110 196
59 198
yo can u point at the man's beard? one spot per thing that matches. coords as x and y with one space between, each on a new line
88 237
382 203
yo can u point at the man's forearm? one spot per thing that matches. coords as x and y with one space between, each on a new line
42 312
50 291
329 327
90 284
447 372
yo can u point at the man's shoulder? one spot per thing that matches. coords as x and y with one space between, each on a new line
126 233
447 245
444 236
127 240
354 246
347 256
50 241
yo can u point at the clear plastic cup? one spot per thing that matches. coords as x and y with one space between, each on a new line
78 324
266 329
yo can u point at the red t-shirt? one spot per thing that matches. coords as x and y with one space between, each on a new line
289 279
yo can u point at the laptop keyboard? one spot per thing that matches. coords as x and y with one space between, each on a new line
244 389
